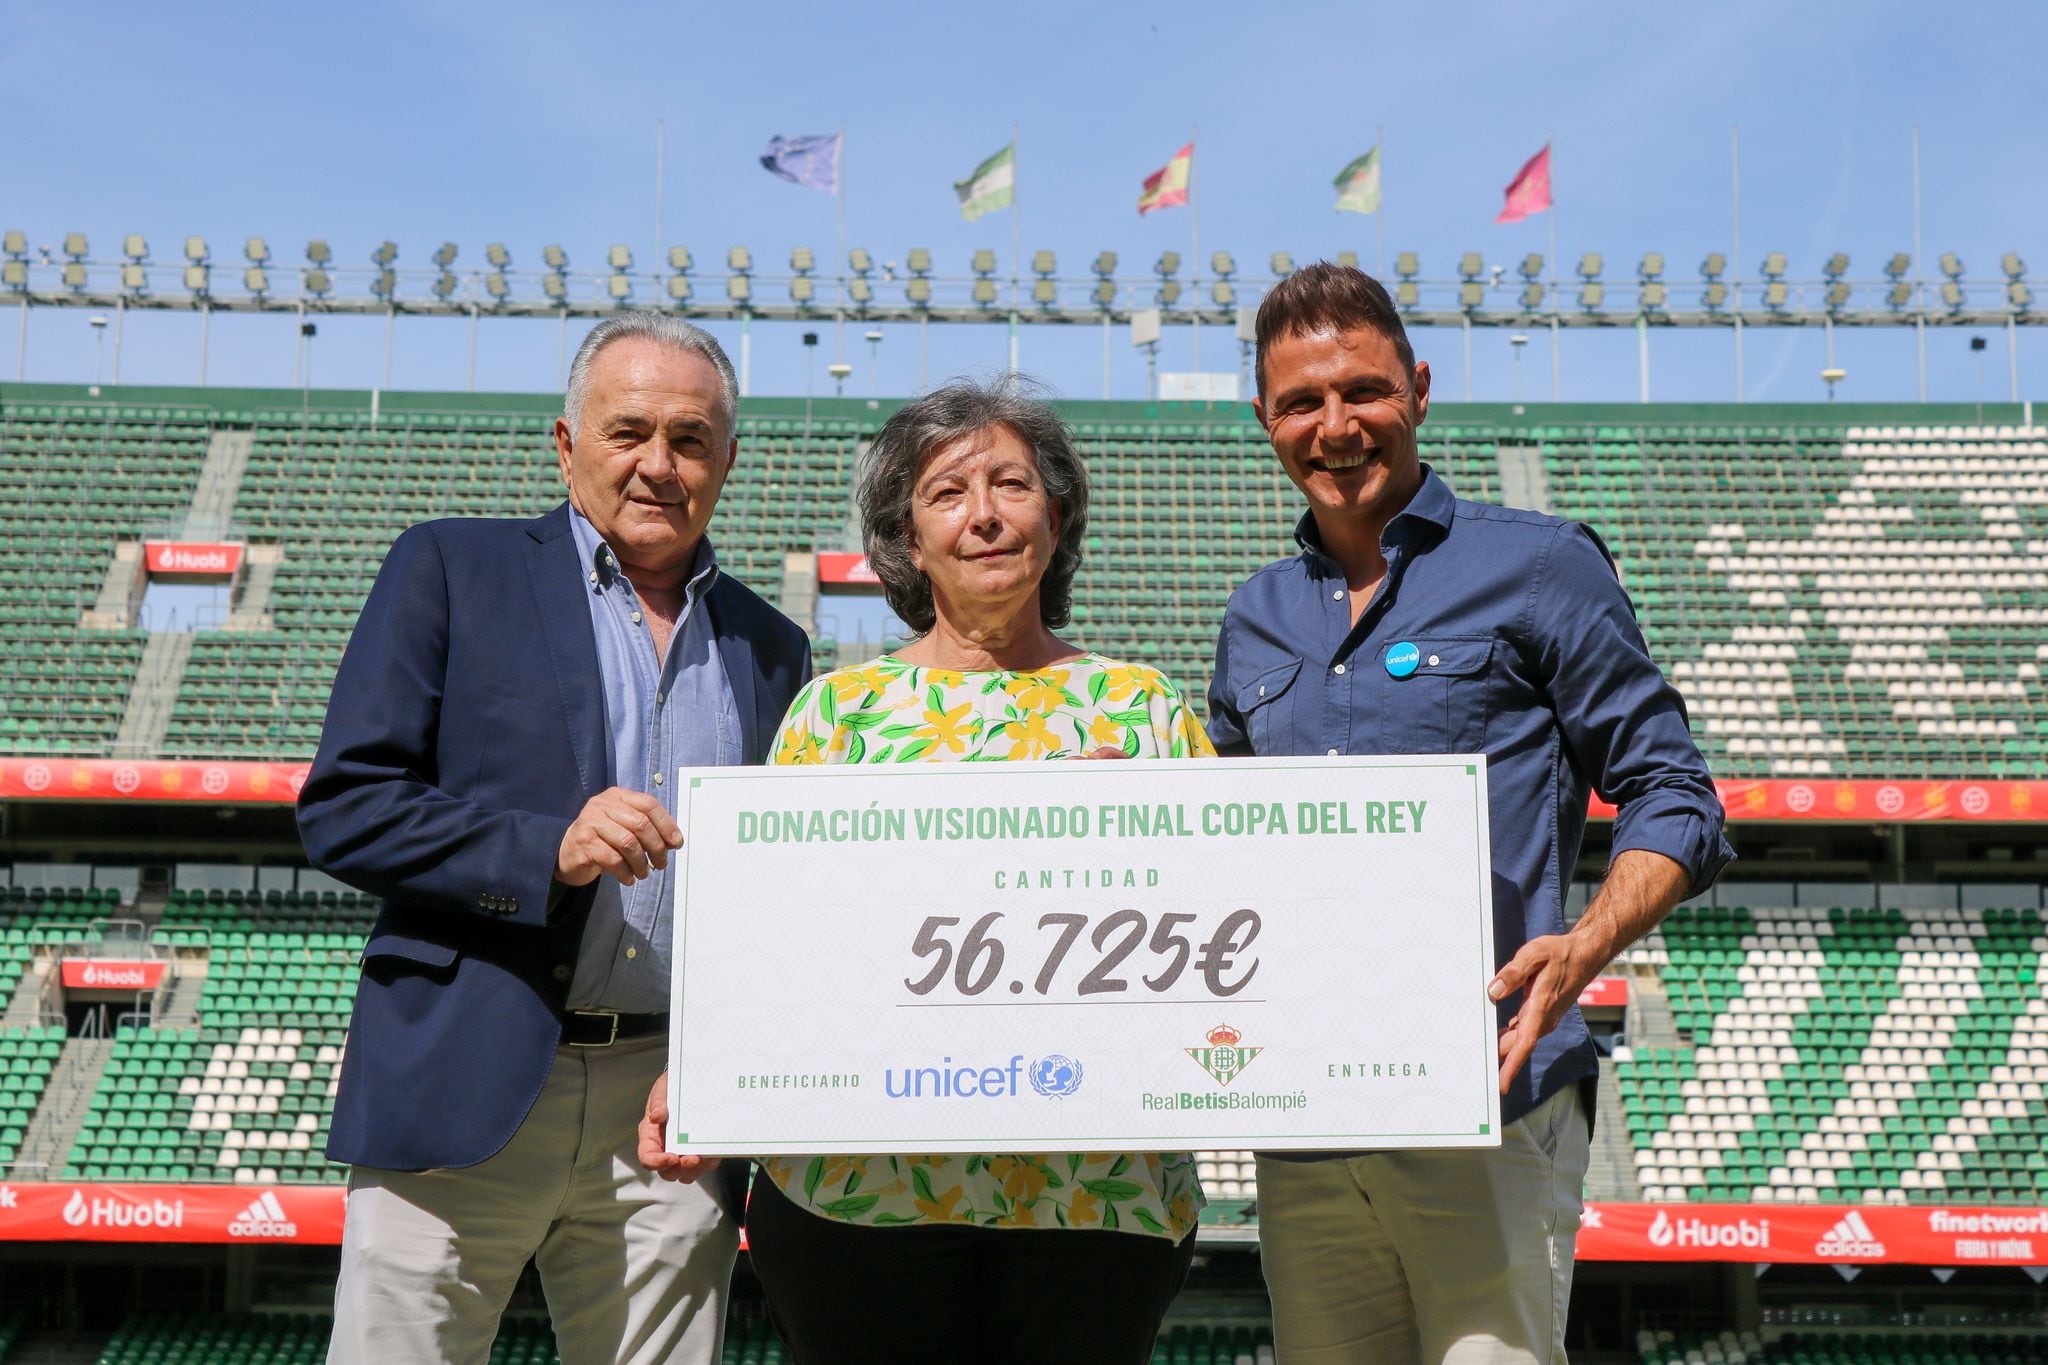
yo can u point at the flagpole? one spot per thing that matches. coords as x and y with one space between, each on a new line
1016 242
1919 276
1556 353
1195 248
1379 213
839 267
660 156
1735 226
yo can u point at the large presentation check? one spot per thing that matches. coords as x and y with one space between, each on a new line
1084 956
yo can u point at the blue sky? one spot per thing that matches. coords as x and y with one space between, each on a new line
532 123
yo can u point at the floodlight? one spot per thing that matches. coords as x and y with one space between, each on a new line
1105 293
195 250
1714 267
1224 294
553 257
1715 295
1532 265
497 286
1407 294
317 252
1167 264
1899 295
2018 295
75 246
134 278
1532 296
1952 294
1471 296
678 289
318 282
919 261
1652 267
918 290
1589 266
1775 294
1283 264
1951 265
1044 263
1471 265
984 292
444 255
1348 259
74 275
496 256
739 260
257 251
385 255
444 285
858 289
802 260
1837 295
256 281
1837 266
1169 293
2012 265
195 279
1898 265
555 287
859 261
803 290
1774 265
679 259
1044 292
1105 264
1223 264
984 262
14 274
1592 295
1654 296
15 243
620 287
739 288
134 248
1407 265
385 284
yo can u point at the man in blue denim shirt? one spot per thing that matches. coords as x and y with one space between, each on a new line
1415 622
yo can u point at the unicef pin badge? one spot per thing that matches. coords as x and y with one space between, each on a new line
1402 659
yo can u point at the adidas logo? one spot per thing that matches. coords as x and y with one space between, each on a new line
264 1218
1848 1238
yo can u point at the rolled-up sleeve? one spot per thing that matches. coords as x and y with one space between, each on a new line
1624 723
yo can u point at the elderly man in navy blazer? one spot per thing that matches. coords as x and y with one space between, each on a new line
505 725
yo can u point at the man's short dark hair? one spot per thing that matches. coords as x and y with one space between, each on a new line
1328 298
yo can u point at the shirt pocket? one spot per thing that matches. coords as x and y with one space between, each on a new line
1267 702
1443 706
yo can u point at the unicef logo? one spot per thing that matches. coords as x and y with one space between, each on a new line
1055 1077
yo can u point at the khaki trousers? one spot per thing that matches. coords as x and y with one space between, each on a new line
635 1269
1443 1257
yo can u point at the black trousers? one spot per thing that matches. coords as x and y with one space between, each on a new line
843 1294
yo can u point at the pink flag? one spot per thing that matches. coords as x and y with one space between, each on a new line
1530 192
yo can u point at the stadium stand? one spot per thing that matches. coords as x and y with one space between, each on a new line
1839 1348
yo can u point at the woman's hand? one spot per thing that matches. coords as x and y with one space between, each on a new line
654 1153
1106 751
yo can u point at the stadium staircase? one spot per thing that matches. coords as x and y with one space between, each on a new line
65 1103
55 1347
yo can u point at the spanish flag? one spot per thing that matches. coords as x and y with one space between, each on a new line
1167 187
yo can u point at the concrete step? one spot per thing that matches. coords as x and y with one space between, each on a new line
54 1126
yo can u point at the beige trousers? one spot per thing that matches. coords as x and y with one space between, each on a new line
1443 1257
635 1269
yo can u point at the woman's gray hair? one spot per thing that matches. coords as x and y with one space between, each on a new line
667 329
917 431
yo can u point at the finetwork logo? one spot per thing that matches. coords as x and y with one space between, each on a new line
264 1218
1698 1232
10 1198
1851 1237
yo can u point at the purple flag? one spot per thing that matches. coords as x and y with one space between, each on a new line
812 161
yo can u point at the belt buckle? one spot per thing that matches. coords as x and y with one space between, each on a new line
612 1015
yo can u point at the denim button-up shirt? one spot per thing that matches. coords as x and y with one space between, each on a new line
1526 650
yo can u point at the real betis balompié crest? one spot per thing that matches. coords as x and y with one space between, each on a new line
1226 1054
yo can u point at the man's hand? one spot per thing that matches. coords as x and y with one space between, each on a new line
1106 751
620 832
654 1153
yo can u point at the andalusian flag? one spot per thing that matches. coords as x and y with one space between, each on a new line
1167 187
992 186
1358 185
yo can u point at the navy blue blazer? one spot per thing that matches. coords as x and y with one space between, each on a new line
465 732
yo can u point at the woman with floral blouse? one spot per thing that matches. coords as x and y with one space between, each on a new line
973 504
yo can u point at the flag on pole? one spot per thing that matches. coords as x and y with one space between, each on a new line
992 186
1530 191
1358 185
811 161
1167 187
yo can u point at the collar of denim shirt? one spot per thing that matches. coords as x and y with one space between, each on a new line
1433 504
603 569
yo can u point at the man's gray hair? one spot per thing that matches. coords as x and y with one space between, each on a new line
667 329
919 430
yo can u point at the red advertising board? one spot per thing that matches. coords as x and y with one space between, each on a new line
835 567
66 1212
1816 1234
205 557
108 974
104 779
1604 992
